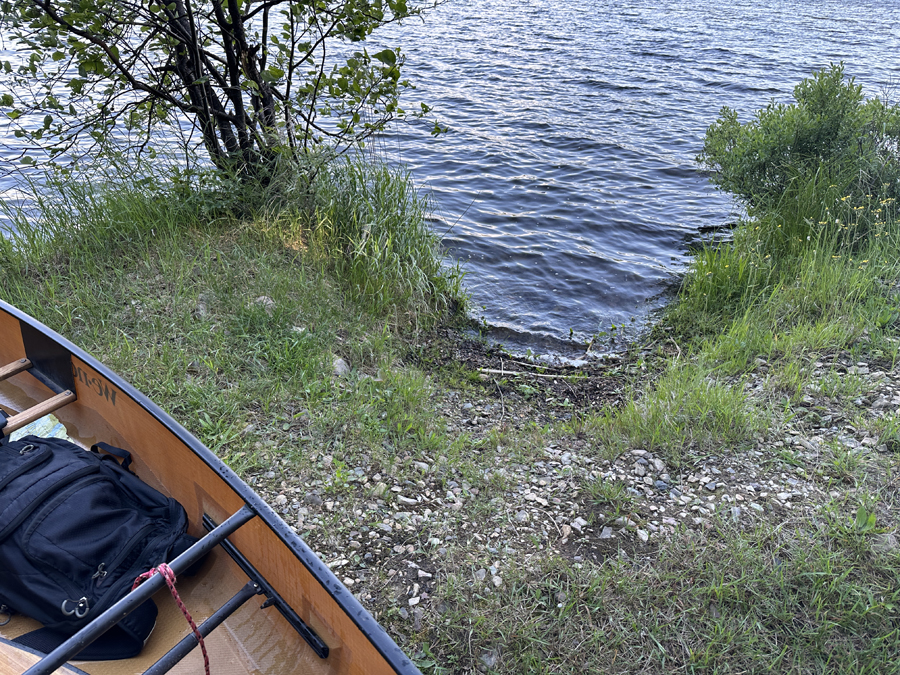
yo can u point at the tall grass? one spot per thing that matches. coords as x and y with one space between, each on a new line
364 220
370 223
817 267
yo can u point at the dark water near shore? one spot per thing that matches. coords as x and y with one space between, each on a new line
566 185
567 179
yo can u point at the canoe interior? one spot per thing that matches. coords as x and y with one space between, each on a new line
253 641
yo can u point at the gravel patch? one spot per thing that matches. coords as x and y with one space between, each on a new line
393 534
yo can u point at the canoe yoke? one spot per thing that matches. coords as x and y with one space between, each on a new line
257 585
36 411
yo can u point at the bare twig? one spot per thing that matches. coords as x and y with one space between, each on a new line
494 371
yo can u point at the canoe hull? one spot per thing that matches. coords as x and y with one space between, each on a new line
170 459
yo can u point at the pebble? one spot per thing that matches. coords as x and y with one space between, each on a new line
884 543
711 486
341 369
266 303
489 659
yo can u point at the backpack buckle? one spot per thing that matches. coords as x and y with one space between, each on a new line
82 607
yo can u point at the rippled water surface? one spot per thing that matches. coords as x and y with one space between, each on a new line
567 178
566 183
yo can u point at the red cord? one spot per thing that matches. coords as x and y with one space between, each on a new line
169 576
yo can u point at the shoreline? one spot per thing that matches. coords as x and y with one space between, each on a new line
702 504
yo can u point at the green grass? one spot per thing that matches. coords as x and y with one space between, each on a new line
685 413
235 329
789 601
370 222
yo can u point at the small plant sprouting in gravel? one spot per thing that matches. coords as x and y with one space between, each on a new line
611 492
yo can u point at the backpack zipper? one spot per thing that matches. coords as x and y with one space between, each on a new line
27 465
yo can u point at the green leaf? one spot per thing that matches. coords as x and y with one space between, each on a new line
387 56
865 520
272 74
6 99
48 120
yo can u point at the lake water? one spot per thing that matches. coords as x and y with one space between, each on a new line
566 185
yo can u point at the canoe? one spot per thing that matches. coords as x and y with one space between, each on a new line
272 606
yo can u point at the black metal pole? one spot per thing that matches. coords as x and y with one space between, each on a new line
189 642
273 599
71 647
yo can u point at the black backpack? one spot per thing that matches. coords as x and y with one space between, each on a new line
76 528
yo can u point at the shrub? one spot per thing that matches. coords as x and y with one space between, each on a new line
830 126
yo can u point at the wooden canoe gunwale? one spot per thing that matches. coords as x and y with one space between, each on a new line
394 656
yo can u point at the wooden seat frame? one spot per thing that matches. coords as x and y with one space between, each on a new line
35 412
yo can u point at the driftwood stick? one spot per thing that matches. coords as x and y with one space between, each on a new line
494 371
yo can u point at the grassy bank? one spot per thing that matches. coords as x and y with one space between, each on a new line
721 499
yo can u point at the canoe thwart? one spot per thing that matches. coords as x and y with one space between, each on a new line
14 368
189 642
37 411
75 644
273 599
